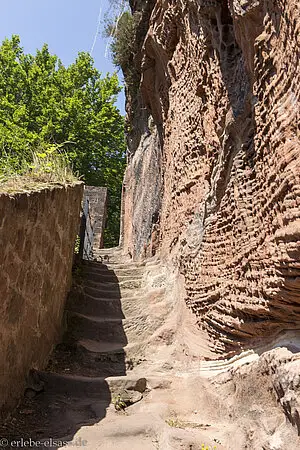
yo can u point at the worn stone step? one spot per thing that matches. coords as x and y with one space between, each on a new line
98 275
56 414
77 359
90 388
115 274
114 350
110 292
117 251
146 264
102 347
107 258
75 385
75 297
131 308
115 266
91 306
119 268
81 326
111 277
104 284
99 329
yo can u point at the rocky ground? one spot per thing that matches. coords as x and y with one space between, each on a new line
135 372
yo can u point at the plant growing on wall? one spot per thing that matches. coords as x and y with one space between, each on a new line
46 165
121 28
44 103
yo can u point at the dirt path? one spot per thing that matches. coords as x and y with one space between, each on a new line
129 374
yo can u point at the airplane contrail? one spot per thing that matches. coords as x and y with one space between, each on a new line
98 29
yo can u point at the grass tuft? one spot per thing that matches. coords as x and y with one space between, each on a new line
175 422
45 167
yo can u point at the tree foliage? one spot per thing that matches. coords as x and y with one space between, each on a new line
42 103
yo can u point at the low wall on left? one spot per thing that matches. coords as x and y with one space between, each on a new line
37 235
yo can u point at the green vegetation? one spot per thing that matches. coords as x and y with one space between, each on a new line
54 117
48 166
122 31
119 403
122 28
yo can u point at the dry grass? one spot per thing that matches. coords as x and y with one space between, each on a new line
23 183
175 422
46 169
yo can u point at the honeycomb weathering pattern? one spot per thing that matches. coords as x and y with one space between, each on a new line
223 79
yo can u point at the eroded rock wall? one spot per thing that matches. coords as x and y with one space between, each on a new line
37 237
222 79
142 189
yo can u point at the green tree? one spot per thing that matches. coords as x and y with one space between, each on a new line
42 102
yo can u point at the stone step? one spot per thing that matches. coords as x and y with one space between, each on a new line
91 306
107 258
94 388
75 385
109 329
76 359
102 347
110 277
56 414
114 272
98 329
136 267
115 252
115 275
103 284
114 266
146 264
82 297
109 251
110 293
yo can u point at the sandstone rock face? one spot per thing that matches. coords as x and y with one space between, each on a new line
142 188
142 197
258 394
220 193
37 237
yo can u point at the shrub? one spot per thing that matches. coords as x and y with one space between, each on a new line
123 40
122 30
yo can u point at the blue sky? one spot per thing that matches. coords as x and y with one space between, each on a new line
67 26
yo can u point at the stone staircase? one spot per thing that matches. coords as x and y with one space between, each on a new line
128 342
92 360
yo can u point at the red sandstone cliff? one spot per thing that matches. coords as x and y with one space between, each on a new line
213 179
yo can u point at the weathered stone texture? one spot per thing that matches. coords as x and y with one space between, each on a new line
142 197
97 197
37 235
142 188
223 78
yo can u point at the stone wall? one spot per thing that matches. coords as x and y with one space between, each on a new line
97 197
222 79
37 235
